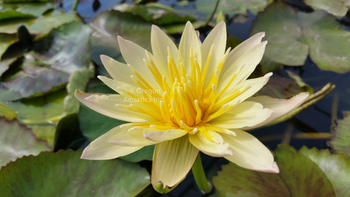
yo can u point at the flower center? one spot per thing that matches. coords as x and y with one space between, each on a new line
188 102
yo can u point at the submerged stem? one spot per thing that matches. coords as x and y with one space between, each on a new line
199 176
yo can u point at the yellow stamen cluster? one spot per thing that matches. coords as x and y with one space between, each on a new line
189 103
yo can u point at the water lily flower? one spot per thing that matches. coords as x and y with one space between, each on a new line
186 99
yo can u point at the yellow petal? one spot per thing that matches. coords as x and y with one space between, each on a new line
280 107
117 70
189 39
134 137
100 149
244 114
105 104
249 60
134 55
239 50
216 37
209 147
248 152
159 136
160 42
172 160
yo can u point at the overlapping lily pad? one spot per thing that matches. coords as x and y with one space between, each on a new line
24 10
335 7
17 140
302 173
341 136
5 41
65 174
292 35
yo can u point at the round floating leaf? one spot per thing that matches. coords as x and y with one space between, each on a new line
335 166
292 35
341 136
335 7
65 174
232 6
39 25
299 176
5 41
108 25
32 81
24 10
17 140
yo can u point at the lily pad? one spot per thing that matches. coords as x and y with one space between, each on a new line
39 25
24 10
341 136
292 35
335 7
5 64
44 174
299 176
7 112
17 140
93 125
5 41
108 25
232 6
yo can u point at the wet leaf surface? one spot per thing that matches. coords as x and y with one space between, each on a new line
24 10
299 176
341 136
44 174
16 141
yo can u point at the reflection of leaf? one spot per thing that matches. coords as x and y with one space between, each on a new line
32 81
108 26
232 6
341 136
65 174
93 125
16 141
335 7
302 173
292 35
24 10
39 25
5 41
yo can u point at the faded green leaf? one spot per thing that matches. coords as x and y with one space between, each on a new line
7 112
335 166
232 6
24 10
69 175
5 41
299 176
292 35
108 25
5 64
41 25
335 7
17 140
341 136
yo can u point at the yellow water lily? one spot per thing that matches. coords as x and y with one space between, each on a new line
186 99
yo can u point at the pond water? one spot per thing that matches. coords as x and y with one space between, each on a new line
318 118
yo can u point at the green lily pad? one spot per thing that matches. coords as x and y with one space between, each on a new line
232 6
5 64
5 41
108 25
335 166
7 112
292 35
39 25
24 10
65 174
341 136
17 140
335 7
93 125
299 176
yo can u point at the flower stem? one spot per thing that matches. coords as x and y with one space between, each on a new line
199 176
